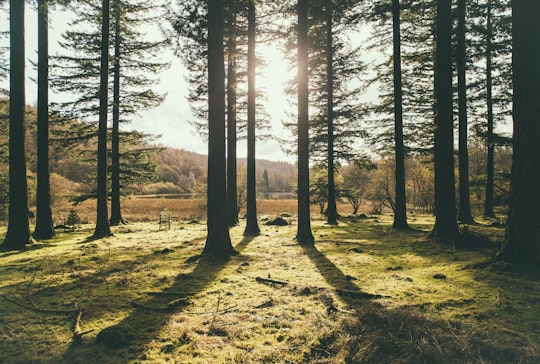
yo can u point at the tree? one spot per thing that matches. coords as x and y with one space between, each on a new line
400 213
331 212
133 66
218 241
232 76
445 228
304 234
44 222
490 170
522 242
18 230
356 179
102 222
464 211
252 228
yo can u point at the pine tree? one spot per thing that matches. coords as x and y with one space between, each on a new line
102 228
445 228
18 230
218 241
133 66
400 213
252 228
304 235
44 223
522 243
464 211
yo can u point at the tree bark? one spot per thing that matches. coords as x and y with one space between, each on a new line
218 241
252 228
116 208
232 192
304 234
331 211
464 211
522 243
18 230
445 228
490 166
44 222
400 213
102 222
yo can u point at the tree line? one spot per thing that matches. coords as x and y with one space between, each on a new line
440 59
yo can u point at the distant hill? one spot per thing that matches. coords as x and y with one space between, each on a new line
183 169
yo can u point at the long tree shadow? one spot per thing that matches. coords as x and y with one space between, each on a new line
378 333
128 339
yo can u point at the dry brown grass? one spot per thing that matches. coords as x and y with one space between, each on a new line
147 208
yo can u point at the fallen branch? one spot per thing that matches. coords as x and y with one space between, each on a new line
268 303
271 281
77 333
38 309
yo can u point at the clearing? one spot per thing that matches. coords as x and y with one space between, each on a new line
363 293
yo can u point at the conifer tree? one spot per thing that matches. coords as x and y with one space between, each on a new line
18 230
218 241
522 242
44 222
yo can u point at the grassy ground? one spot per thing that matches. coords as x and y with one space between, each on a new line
363 293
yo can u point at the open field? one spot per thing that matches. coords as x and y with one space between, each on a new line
145 209
363 293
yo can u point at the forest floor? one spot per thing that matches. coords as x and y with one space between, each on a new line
362 293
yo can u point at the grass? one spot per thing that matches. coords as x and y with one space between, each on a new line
363 293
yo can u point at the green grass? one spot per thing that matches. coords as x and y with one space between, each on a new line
364 293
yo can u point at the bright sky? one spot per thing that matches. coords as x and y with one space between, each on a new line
170 119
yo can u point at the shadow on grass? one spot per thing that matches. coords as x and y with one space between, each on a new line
375 333
127 340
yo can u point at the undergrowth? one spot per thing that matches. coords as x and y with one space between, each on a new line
363 293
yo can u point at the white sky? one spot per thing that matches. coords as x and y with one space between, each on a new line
170 119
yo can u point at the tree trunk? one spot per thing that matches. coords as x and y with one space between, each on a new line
445 228
102 222
218 241
18 230
116 211
232 191
44 222
252 228
331 211
304 234
490 167
522 243
464 211
400 212
116 215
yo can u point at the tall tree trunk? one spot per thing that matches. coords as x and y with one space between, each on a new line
116 211
445 228
522 243
331 211
304 234
400 213
252 228
232 191
218 241
464 211
490 166
102 222
44 222
18 230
